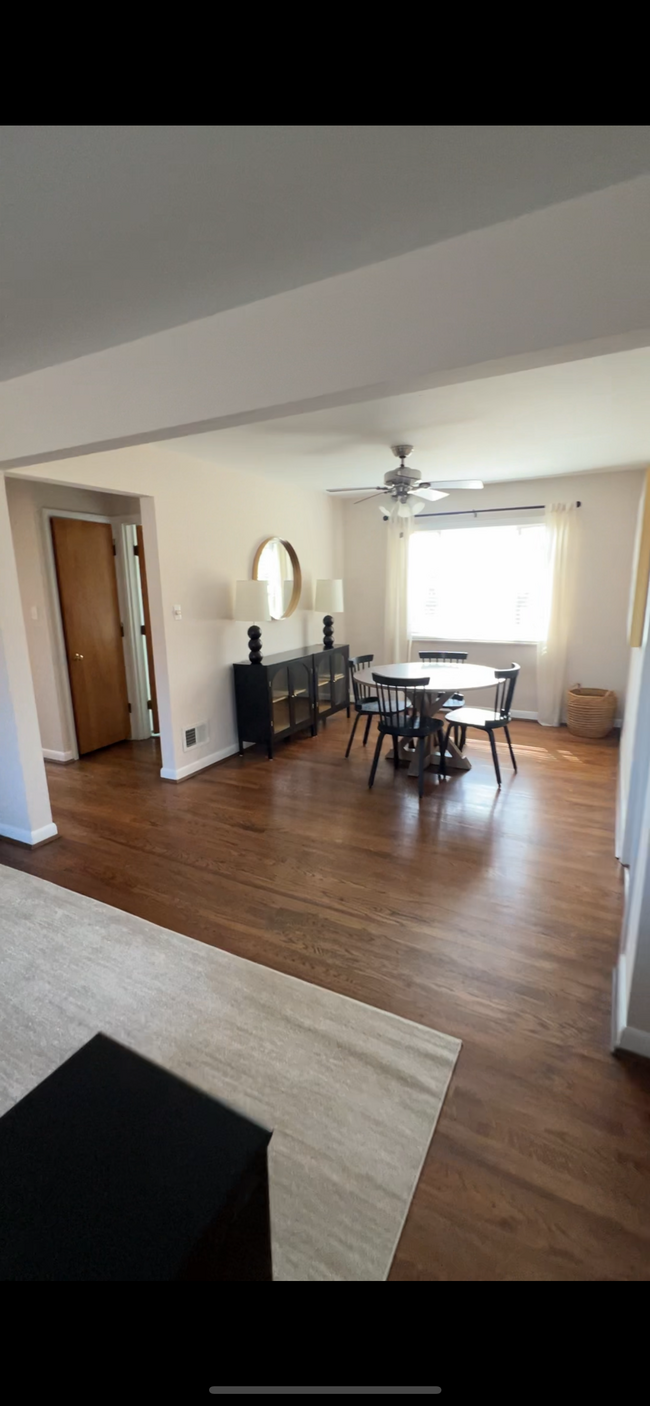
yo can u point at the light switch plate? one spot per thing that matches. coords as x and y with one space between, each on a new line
177 612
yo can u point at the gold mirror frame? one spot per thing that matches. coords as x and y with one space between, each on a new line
297 573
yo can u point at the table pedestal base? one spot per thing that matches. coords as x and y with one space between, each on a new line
408 756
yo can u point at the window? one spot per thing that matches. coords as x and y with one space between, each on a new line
479 583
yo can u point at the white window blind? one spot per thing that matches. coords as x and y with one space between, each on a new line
479 583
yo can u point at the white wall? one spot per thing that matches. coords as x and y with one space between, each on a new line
26 500
25 813
598 650
202 525
569 280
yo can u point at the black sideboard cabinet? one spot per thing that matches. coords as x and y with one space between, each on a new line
289 692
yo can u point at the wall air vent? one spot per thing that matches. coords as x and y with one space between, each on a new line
194 736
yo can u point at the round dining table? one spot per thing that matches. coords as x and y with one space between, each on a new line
442 680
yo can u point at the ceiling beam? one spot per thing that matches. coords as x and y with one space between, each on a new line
567 281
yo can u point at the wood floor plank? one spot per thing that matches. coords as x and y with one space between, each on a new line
491 915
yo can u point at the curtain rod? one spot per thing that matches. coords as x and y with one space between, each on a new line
473 512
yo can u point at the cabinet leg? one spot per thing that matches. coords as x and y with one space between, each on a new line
270 749
241 746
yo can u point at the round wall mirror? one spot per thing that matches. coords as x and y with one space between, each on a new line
276 562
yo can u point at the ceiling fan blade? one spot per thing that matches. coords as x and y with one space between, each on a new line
429 494
362 488
451 485
379 494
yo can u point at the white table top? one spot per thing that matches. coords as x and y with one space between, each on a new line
441 678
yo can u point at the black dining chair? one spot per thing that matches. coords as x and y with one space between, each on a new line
365 698
443 656
457 700
490 721
402 716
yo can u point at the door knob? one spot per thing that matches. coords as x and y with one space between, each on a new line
77 656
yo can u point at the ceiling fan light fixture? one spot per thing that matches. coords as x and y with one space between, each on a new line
406 493
429 495
401 508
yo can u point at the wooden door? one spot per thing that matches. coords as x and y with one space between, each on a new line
153 699
85 568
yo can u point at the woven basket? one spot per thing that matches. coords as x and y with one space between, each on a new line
590 712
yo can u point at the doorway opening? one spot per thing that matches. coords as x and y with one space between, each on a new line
82 572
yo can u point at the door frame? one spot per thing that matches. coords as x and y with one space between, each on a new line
127 576
129 613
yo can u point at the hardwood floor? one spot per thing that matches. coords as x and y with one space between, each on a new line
492 916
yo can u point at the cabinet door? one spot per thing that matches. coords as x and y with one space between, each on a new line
339 672
300 689
323 683
279 686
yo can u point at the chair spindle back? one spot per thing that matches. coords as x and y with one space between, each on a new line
401 705
362 691
443 656
506 684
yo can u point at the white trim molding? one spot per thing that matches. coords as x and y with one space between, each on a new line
29 837
182 772
624 1036
523 713
52 756
634 1041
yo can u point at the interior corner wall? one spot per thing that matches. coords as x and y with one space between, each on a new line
25 813
598 648
202 525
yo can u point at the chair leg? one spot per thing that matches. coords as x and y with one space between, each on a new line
365 735
396 752
354 728
421 768
512 755
495 759
442 742
375 760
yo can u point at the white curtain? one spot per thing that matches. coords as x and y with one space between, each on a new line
396 642
560 521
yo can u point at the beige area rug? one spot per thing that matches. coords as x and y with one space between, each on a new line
352 1094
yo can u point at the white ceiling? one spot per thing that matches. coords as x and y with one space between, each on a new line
573 417
109 233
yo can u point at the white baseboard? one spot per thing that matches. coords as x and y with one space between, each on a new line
532 717
51 756
29 837
624 1036
169 774
635 1041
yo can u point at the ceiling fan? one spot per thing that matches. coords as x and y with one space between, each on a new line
403 492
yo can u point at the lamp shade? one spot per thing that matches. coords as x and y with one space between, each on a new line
252 601
328 599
